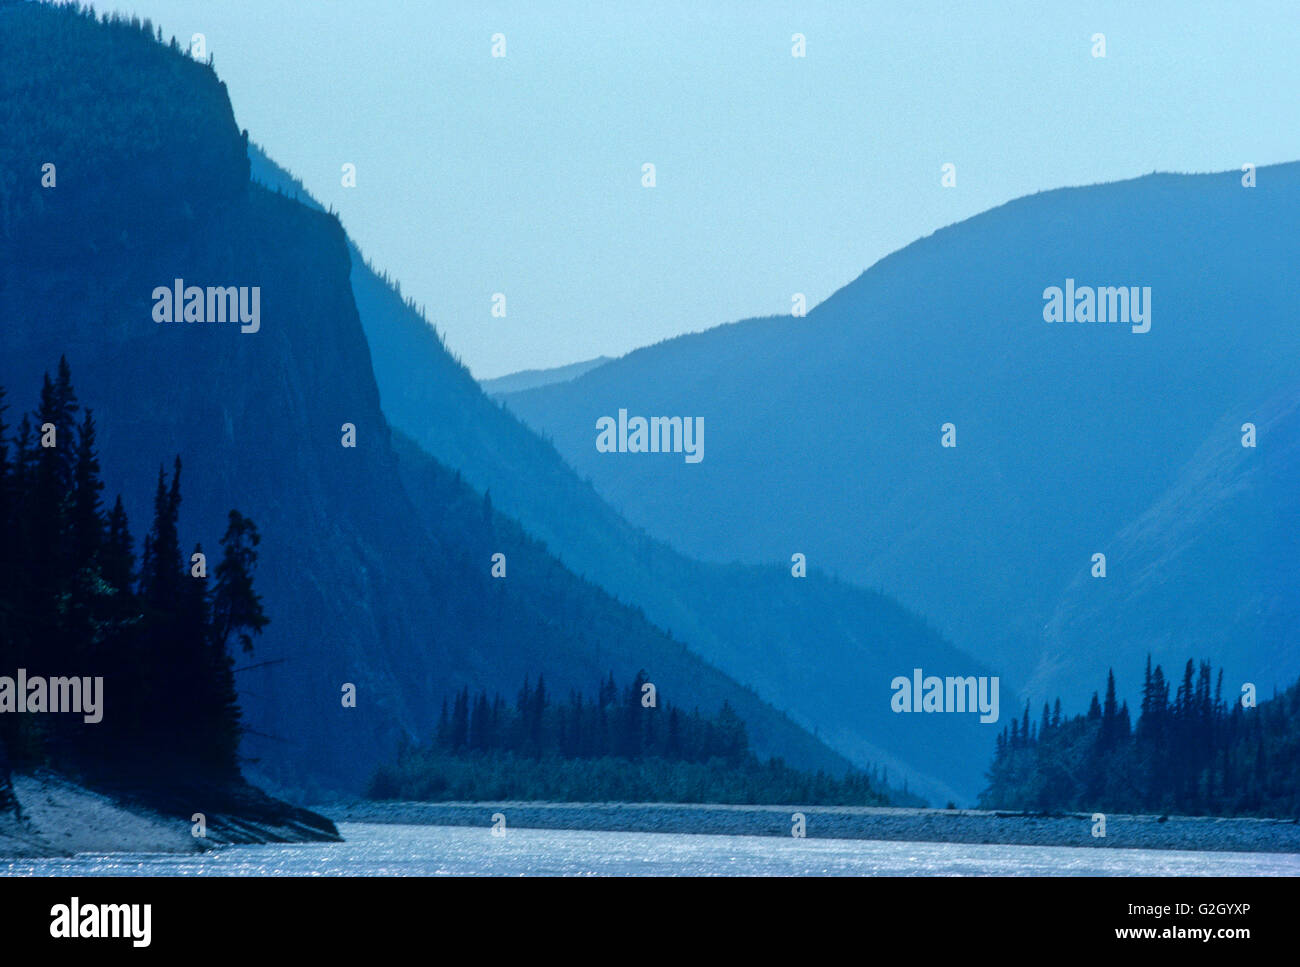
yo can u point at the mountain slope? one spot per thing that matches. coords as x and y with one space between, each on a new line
824 432
823 651
1222 536
362 588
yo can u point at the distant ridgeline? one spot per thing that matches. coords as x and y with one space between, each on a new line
108 670
622 746
1198 755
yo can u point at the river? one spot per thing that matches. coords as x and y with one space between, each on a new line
392 850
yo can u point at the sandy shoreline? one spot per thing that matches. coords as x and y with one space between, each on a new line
849 822
59 817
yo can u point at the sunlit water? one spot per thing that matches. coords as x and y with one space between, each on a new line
381 850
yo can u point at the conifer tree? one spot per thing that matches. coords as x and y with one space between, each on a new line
236 606
160 568
87 517
1094 709
1109 713
118 555
460 720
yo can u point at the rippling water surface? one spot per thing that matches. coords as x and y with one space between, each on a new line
380 850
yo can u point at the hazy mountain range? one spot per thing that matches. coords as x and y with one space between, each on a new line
823 439
822 650
374 562
1073 438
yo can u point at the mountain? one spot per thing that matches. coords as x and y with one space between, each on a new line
823 651
824 432
1218 566
366 583
532 378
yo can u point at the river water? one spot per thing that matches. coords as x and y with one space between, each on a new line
389 850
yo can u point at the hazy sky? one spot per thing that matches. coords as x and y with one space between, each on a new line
775 174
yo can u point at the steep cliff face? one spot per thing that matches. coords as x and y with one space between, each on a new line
120 120
360 588
256 419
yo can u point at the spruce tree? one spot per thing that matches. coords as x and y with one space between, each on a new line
443 734
1109 713
234 610
460 720
118 555
87 513
236 606
160 569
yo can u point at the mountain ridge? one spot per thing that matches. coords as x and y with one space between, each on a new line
359 592
770 642
532 378
950 329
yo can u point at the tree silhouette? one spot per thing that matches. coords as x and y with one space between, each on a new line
158 638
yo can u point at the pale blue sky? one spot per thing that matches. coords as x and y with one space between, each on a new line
775 174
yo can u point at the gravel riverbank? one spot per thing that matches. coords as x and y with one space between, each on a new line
849 822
